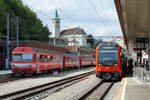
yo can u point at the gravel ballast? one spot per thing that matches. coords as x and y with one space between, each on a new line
74 91
110 95
35 81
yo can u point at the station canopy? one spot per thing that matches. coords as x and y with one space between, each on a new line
134 17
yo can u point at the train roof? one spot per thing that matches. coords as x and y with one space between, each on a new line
30 49
39 45
108 46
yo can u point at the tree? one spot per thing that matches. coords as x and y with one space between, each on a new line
90 40
29 24
96 43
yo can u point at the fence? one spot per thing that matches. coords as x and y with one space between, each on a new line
142 74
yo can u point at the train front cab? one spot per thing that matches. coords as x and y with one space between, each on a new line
109 71
23 61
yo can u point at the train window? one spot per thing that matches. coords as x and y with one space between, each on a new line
16 57
45 58
41 58
27 57
51 58
54 58
107 58
35 57
48 59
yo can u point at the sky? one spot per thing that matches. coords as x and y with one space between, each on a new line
96 17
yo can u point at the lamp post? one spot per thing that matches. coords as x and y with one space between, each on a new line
8 42
17 31
79 55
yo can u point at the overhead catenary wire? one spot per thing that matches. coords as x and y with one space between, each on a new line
99 17
106 14
67 26
62 11
64 25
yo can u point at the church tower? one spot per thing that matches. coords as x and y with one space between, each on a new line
56 26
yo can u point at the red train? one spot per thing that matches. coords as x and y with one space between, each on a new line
111 61
27 60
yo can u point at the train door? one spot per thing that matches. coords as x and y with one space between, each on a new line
1 61
1 57
62 62
78 61
38 63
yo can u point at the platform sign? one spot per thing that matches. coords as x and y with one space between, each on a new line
144 54
142 40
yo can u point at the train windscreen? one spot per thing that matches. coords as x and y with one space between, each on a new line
108 58
16 57
25 57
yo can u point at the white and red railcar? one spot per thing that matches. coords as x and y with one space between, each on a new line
27 60
111 62
70 61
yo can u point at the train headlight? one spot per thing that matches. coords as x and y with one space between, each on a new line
116 64
100 64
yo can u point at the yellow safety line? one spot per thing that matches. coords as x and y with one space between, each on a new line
119 90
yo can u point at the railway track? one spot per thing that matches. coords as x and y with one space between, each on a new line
44 90
98 92
10 79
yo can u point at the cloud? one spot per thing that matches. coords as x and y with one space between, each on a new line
74 13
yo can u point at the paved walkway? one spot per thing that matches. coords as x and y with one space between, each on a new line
5 72
132 89
136 90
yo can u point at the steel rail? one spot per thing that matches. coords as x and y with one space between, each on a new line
94 90
27 93
9 80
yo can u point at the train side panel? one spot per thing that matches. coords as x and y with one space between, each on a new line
27 60
49 61
85 61
71 61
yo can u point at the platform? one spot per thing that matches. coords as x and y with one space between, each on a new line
2 72
132 89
